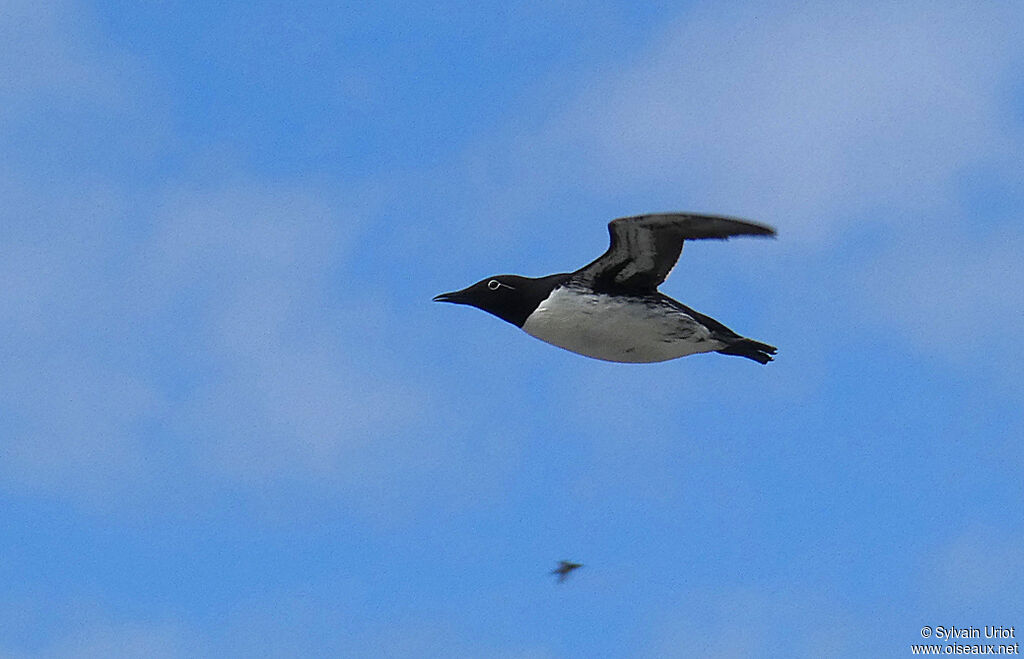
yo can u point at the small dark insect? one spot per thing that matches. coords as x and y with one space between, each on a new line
564 568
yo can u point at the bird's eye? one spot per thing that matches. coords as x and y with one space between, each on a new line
494 285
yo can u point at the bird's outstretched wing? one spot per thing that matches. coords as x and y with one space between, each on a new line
645 248
564 568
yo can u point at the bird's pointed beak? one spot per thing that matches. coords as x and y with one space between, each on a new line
454 297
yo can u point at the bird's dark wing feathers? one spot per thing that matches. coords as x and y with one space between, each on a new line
645 248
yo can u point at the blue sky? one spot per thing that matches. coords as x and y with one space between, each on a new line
233 423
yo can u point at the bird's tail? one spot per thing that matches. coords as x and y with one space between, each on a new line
751 349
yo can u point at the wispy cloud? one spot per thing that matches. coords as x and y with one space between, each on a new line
289 624
214 333
200 327
975 574
953 294
68 347
755 622
47 58
252 271
805 116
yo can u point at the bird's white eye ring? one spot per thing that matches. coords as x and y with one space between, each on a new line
494 285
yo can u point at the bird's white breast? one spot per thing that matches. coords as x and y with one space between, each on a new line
616 328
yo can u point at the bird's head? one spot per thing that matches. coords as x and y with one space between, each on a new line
509 297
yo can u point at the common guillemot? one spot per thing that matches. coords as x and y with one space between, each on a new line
611 309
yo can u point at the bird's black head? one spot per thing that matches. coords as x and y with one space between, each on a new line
509 297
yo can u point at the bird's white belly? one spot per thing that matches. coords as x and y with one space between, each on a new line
617 329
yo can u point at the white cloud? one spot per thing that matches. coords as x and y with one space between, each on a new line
811 117
130 640
286 624
974 578
43 53
953 295
976 573
204 336
292 391
199 328
67 344
806 115
61 82
755 622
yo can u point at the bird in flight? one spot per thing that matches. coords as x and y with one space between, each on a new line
564 568
611 309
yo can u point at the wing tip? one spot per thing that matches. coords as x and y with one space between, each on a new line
740 226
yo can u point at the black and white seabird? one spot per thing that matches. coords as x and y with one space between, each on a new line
564 568
611 309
